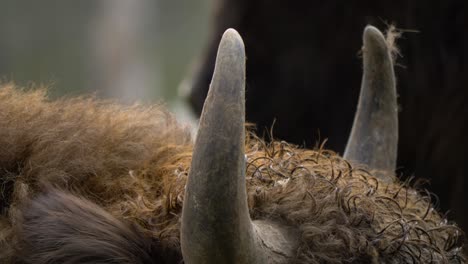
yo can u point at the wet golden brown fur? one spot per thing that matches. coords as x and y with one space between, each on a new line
124 169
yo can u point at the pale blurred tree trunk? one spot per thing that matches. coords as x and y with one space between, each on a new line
119 41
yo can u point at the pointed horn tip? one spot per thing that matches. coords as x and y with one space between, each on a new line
229 72
373 38
232 41
231 33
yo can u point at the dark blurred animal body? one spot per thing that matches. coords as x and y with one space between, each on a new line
308 89
87 181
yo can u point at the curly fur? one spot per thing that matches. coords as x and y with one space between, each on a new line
86 172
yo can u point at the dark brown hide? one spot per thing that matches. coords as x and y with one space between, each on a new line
304 70
58 227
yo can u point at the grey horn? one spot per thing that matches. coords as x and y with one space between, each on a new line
374 136
216 225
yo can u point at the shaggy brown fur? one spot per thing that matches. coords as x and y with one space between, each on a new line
86 181
61 228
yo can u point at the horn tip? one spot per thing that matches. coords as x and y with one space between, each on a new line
373 37
232 39
231 33
230 63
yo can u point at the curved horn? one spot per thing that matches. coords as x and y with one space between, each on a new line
374 135
216 225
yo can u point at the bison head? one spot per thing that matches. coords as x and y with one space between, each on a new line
122 193
216 224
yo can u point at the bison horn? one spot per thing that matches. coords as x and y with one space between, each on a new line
374 135
216 225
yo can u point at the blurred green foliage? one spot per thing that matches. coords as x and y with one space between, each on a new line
49 42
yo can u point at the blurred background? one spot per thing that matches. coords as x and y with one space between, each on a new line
136 50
